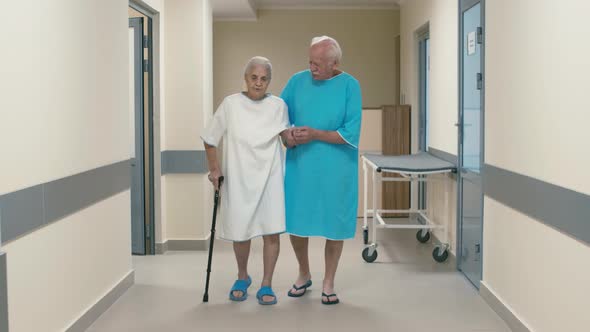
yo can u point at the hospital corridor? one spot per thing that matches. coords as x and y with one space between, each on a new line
294 165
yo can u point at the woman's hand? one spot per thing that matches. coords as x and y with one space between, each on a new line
288 138
214 176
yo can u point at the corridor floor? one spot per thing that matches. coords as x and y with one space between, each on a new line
403 290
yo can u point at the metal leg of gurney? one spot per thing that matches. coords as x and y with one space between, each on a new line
441 250
370 251
365 207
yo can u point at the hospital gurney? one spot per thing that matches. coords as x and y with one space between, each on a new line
411 168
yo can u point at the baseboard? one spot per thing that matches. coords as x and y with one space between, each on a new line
161 248
503 310
182 245
100 307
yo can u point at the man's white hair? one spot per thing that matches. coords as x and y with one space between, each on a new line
334 51
259 61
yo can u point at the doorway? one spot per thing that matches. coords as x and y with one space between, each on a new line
471 139
142 129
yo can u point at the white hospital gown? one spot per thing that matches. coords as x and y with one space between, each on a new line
252 197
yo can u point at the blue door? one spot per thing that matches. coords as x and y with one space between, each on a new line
471 127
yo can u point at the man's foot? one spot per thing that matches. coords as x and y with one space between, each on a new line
300 286
330 298
328 294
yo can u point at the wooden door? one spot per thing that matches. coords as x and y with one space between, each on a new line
396 141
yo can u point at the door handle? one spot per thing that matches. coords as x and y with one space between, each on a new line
479 80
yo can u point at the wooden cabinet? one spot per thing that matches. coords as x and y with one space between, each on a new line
396 131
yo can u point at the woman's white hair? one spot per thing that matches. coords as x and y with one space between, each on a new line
259 61
334 51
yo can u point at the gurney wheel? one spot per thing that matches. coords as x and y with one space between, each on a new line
365 236
440 256
367 258
422 239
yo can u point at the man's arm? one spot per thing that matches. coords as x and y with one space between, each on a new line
305 135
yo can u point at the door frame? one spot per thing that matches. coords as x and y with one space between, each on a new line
138 162
463 6
153 108
422 35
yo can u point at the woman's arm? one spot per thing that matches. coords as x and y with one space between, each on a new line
213 164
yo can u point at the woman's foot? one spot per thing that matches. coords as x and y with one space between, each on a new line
239 290
266 296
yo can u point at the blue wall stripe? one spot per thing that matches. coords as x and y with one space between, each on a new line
443 155
25 210
68 195
21 212
563 209
184 162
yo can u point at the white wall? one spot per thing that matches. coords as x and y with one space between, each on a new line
189 100
545 125
367 38
371 141
441 18
58 272
536 123
536 118
56 104
64 110
539 273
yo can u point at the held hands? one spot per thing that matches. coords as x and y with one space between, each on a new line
214 176
298 135
301 135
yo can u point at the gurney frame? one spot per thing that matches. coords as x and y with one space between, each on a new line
369 253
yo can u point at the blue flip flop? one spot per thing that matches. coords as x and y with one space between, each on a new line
266 291
304 287
242 286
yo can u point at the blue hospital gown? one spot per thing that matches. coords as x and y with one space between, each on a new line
321 179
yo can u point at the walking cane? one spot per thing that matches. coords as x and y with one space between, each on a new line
216 202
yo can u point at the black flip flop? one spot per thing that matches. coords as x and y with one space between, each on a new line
304 287
328 297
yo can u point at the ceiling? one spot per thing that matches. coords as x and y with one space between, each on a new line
245 10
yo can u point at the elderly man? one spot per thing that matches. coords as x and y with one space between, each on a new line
321 179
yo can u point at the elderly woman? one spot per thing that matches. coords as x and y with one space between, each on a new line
251 124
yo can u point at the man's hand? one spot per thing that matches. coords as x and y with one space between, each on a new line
304 135
214 176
